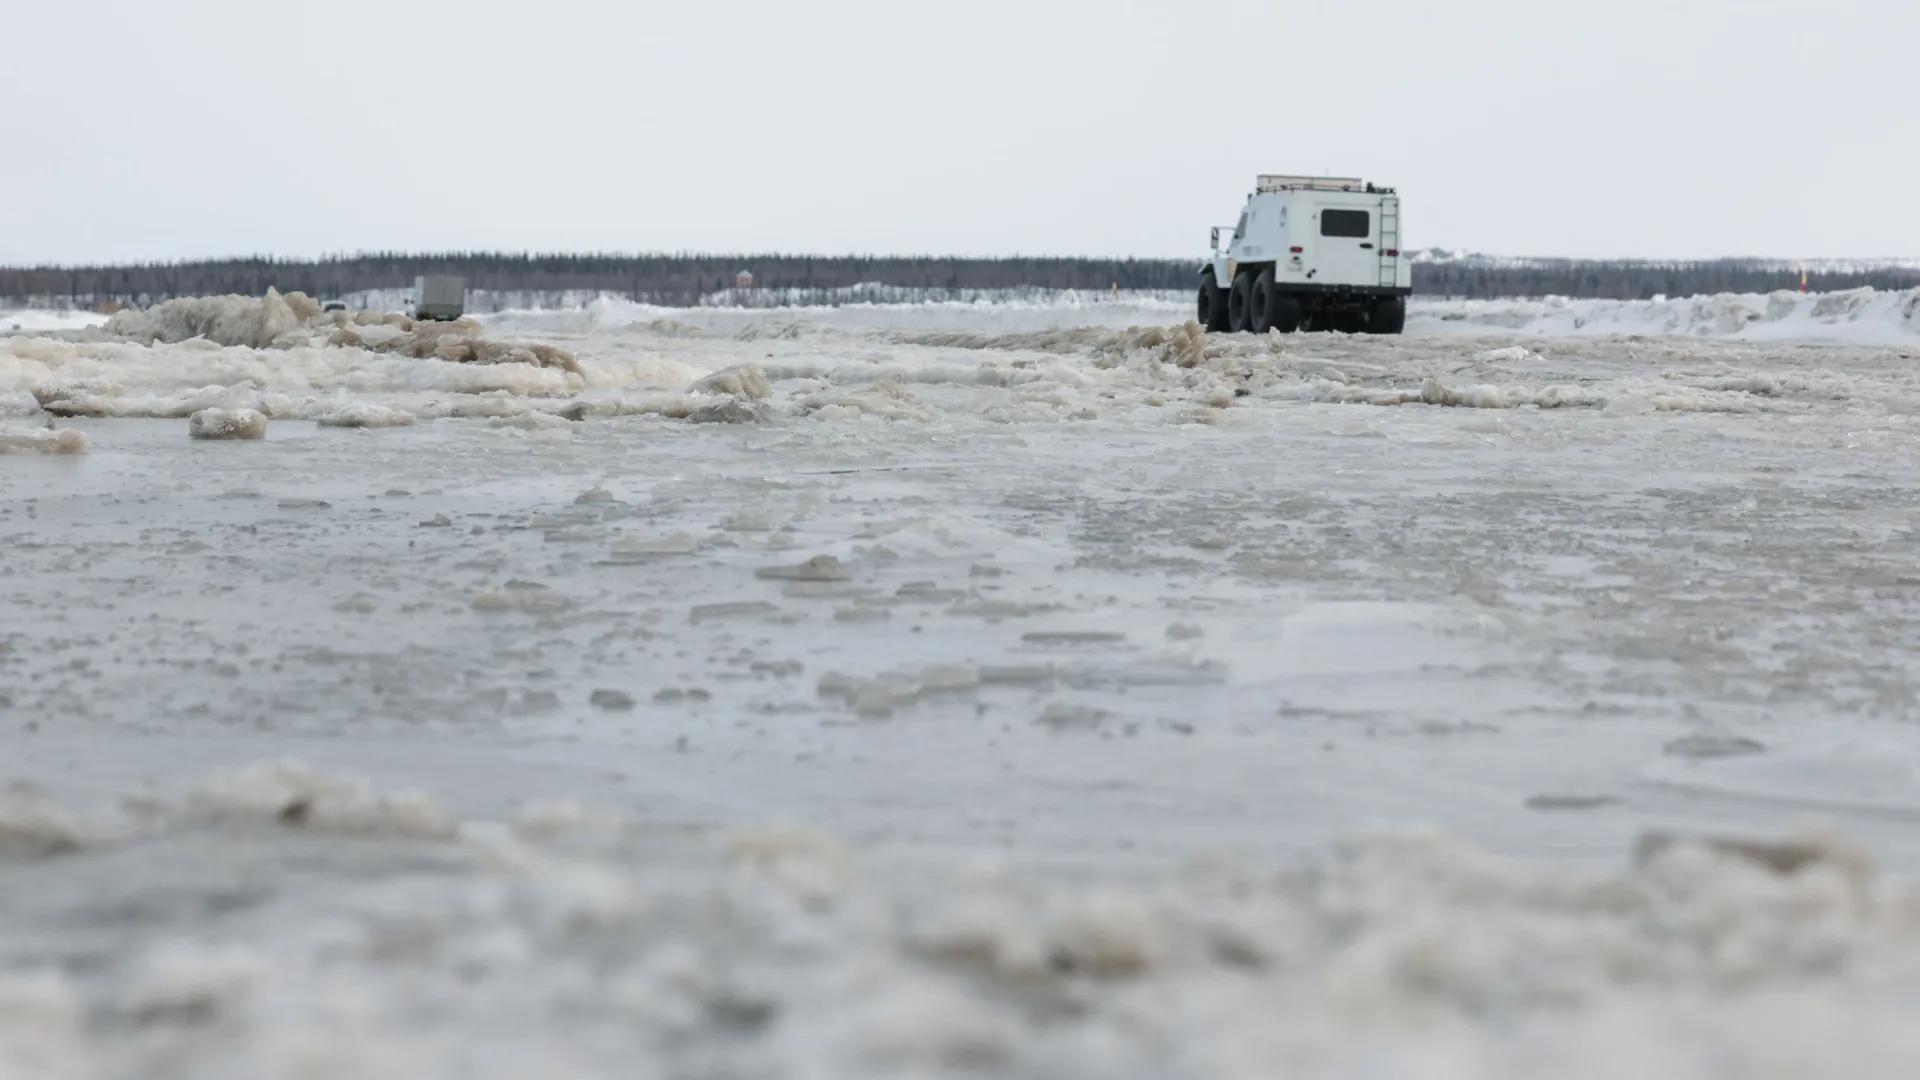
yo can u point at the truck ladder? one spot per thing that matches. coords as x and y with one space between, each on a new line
1390 242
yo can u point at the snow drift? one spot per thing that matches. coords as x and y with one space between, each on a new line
1860 317
44 320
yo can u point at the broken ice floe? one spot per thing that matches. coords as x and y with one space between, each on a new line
227 424
364 415
275 321
787 950
47 440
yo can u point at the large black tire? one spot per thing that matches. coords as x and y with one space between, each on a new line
1240 304
1260 316
1287 314
1211 311
1389 316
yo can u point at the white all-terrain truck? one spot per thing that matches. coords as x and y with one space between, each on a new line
1310 253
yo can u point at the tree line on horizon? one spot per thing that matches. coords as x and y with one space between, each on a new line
686 279
1632 279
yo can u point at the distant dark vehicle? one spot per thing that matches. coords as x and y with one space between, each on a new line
334 305
439 297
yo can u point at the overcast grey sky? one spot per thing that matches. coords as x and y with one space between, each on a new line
169 129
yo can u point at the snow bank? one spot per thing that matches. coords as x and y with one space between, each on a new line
227 424
41 321
1858 317
1032 311
1861 317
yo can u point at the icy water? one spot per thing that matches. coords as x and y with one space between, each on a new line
1004 695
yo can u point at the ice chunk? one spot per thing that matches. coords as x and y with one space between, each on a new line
225 320
731 411
1110 935
33 824
732 610
363 415
635 548
291 792
1789 856
525 597
746 381
227 424
1709 745
16 440
813 864
611 700
818 568
1065 716
1510 355
1016 674
1558 803
1074 637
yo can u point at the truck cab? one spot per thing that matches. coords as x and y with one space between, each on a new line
1309 253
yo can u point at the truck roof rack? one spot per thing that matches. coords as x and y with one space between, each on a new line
1272 183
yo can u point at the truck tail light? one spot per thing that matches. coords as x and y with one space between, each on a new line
1299 250
1393 253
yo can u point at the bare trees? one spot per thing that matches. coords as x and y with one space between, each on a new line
685 279
665 279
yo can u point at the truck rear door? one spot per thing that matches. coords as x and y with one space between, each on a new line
1346 242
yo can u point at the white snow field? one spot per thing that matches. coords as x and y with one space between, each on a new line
1859 317
1040 691
34 320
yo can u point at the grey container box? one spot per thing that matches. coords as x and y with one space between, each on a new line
441 297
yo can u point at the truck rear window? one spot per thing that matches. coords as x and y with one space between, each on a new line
1353 223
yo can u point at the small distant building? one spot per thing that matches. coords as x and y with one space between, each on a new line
743 280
